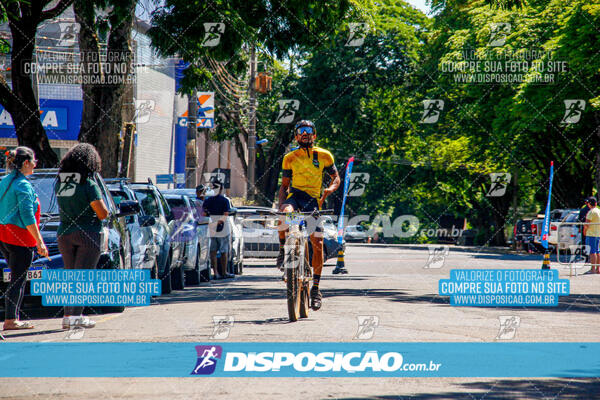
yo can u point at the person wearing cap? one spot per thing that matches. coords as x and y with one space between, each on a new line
217 207
581 218
200 195
592 232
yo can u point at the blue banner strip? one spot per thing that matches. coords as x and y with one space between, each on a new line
333 359
346 186
546 223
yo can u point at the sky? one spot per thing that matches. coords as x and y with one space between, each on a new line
145 6
420 4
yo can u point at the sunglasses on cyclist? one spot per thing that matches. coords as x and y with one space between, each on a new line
304 129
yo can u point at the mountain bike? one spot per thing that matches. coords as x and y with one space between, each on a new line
296 265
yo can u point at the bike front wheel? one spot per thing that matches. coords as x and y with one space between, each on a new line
293 257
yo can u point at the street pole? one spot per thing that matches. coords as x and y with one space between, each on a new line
252 127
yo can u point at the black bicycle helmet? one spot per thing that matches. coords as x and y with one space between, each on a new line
304 122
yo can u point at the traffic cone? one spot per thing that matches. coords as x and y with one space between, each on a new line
546 263
340 267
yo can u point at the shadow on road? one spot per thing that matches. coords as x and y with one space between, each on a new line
562 388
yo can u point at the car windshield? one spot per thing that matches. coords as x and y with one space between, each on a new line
148 202
44 187
118 196
178 207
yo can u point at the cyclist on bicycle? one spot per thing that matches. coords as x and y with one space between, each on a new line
301 191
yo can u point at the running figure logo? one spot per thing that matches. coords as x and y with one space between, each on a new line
498 33
212 33
68 183
573 111
437 256
207 359
223 325
287 111
143 110
358 33
358 183
508 327
366 326
500 181
432 110
68 34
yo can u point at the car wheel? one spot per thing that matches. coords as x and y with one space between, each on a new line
193 277
178 278
116 309
205 274
166 278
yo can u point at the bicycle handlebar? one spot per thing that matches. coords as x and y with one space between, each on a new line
315 212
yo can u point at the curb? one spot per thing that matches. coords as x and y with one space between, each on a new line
466 249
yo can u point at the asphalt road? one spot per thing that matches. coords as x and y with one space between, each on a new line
389 283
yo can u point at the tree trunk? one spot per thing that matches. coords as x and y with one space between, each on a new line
101 120
23 107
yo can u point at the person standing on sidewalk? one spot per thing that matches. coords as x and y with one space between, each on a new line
581 218
19 230
218 207
81 211
592 235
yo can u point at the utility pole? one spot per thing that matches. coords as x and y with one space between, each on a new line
252 126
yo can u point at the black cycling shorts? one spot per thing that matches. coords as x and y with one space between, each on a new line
302 201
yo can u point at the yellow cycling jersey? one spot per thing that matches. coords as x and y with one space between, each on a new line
305 167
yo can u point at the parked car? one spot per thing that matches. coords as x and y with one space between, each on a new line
191 234
259 228
522 235
556 216
569 234
261 236
170 272
116 244
355 233
144 250
235 263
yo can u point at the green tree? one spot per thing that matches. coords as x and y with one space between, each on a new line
103 103
278 29
18 97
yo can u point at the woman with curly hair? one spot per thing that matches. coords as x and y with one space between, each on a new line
81 211
19 230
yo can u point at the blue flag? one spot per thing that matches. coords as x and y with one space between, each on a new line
546 225
346 185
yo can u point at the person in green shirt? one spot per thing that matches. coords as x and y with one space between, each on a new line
81 210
